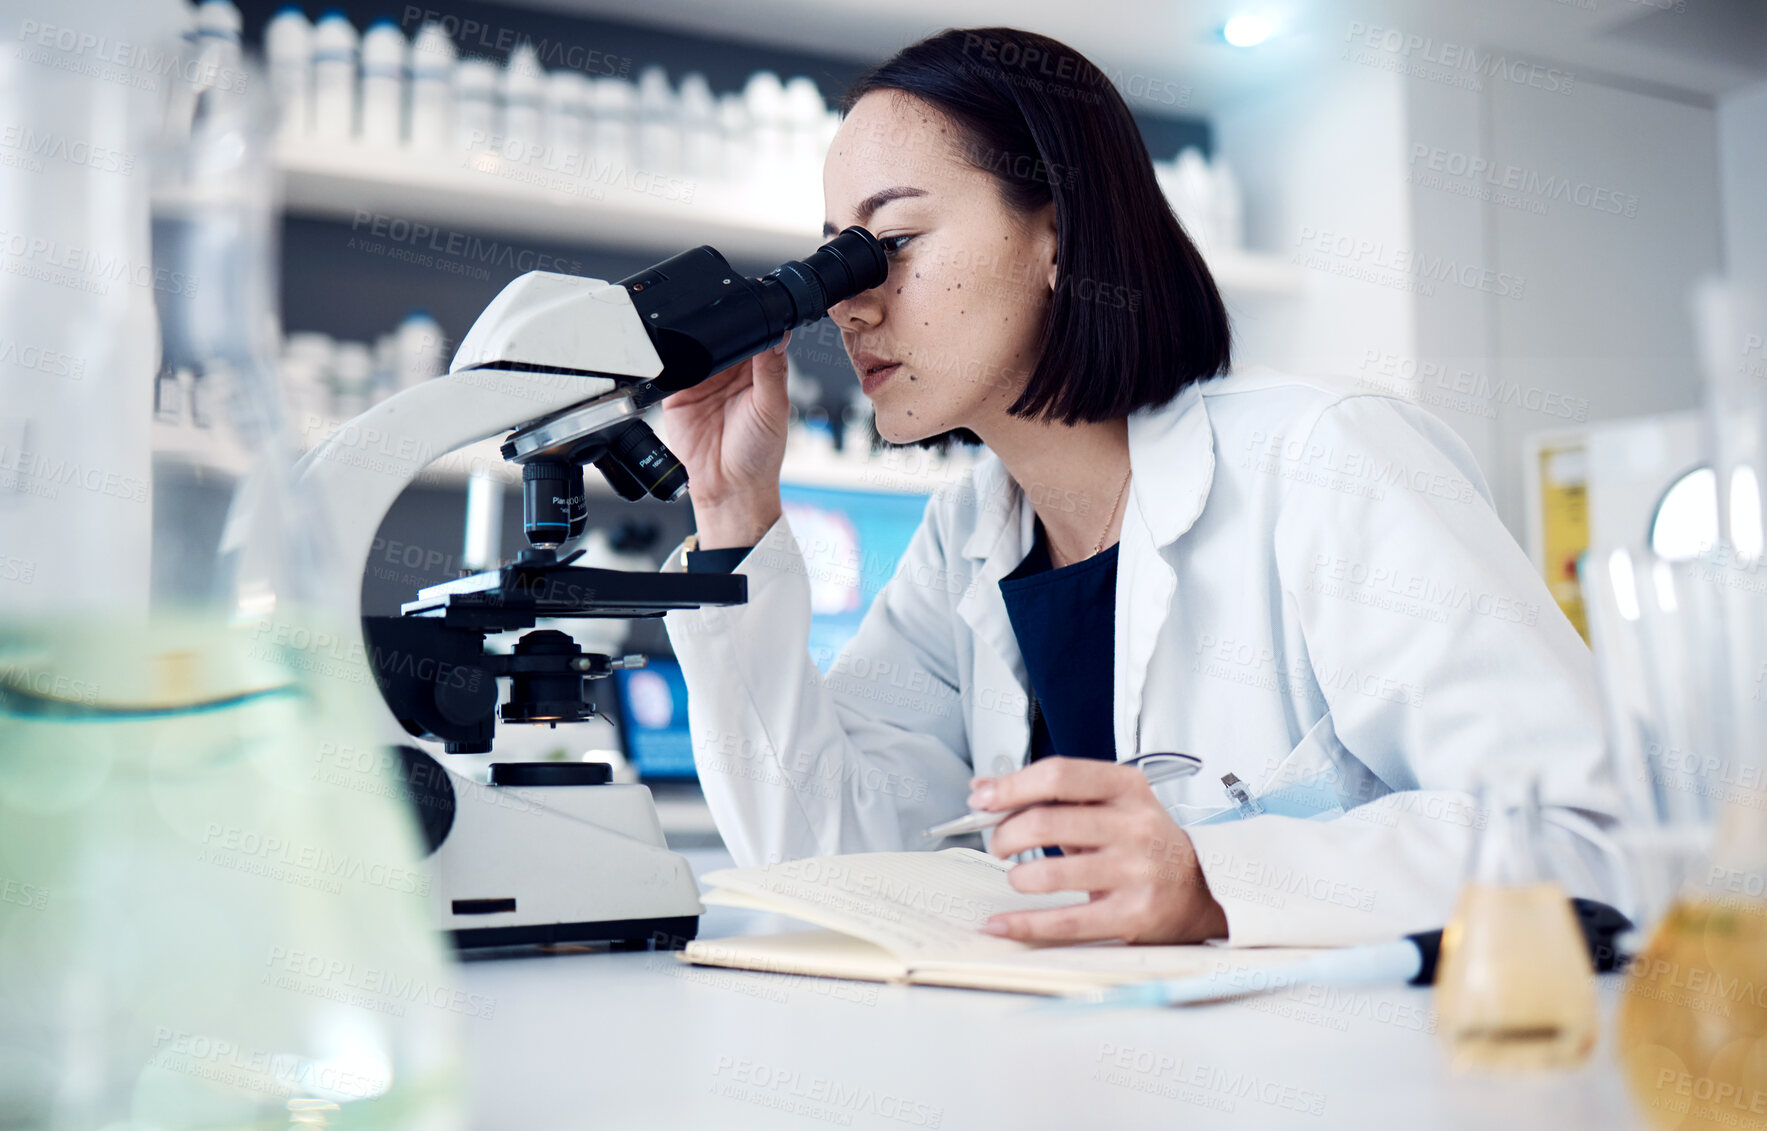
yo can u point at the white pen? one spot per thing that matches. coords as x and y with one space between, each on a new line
1161 767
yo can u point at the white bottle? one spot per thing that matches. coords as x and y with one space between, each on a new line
334 78
383 85
309 358
352 382
432 89
420 349
659 124
567 121
702 146
737 135
524 82
217 31
804 111
384 381
475 104
765 98
288 49
612 107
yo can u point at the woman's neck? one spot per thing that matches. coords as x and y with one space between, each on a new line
1073 475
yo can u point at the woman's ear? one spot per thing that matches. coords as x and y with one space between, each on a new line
1043 230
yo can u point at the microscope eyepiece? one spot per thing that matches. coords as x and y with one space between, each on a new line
703 316
849 264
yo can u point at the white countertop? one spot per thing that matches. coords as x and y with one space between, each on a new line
603 1040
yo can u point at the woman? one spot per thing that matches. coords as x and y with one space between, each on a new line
1301 583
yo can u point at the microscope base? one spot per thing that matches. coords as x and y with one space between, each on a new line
667 933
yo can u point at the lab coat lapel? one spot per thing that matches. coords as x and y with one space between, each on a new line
994 548
1172 465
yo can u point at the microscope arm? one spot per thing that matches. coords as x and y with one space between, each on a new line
558 328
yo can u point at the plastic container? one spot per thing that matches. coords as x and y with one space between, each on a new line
288 49
702 146
613 113
524 84
770 148
352 381
475 104
384 64
659 124
432 90
567 122
335 99
420 348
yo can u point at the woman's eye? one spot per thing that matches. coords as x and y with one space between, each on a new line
893 244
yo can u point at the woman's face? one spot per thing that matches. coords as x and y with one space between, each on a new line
970 279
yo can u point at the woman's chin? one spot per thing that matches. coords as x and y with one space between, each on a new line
902 429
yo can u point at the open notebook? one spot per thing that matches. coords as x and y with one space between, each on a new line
916 917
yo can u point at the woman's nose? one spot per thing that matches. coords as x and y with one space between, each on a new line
858 312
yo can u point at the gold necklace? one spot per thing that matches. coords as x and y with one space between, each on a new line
1113 514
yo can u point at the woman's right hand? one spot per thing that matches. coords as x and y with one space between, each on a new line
729 433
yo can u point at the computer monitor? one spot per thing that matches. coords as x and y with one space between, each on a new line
853 541
653 720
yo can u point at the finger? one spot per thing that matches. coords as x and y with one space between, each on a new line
1095 871
769 368
716 386
1090 825
1082 922
1056 779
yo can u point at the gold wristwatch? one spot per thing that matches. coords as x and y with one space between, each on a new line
688 546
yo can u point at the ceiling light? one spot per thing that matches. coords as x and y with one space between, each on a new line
1246 31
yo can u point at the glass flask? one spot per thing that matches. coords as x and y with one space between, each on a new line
1515 988
1692 1023
213 912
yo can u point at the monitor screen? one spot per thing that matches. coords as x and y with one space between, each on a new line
653 720
852 542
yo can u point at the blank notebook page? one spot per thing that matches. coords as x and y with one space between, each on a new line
915 904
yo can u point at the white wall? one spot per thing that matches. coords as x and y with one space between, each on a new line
1605 314
1742 158
1322 154
1534 311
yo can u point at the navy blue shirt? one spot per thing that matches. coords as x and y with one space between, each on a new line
1065 622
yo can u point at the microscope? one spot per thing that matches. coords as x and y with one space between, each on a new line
553 852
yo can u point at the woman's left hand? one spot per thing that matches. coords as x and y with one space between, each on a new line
1117 842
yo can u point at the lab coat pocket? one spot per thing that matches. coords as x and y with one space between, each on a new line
1307 783
1319 776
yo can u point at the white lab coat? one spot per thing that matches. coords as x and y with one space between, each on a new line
1313 591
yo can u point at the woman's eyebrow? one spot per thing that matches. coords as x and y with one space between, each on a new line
873 202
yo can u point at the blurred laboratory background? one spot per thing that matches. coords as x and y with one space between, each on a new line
1498 209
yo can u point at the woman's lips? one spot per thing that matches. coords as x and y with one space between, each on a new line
869 383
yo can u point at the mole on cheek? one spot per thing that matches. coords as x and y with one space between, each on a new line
898 290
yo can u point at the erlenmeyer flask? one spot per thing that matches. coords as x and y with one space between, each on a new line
1692 1026
1692 1029
212 910
1515 988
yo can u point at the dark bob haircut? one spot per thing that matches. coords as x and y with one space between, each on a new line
1048 125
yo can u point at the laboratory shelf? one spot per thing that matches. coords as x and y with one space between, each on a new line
385 194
